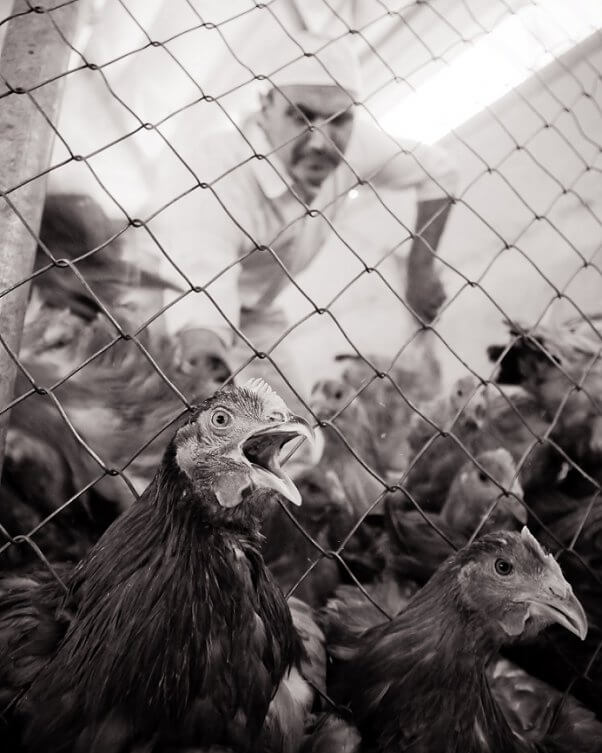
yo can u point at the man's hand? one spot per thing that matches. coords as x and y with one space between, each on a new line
202 353
424 292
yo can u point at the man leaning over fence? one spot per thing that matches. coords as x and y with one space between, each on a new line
269 194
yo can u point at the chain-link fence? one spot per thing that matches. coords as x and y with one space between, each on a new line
417 414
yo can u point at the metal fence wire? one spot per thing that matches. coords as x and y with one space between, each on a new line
92 384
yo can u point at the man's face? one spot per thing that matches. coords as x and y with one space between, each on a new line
310 153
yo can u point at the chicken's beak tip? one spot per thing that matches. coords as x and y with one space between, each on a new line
304 429
566 611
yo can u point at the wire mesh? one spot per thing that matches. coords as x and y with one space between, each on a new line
66 365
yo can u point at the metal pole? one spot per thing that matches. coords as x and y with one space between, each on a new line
33 52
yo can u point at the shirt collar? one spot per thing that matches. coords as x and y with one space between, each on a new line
271 173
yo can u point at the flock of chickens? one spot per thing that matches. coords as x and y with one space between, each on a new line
432 585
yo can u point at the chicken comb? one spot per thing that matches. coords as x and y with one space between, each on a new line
271 400
533 544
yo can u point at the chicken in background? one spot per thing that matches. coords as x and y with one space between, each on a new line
462 409
358 475
437 453
480 417
170 633
561 367
118 402
476 503
326 517
514 419
419 682
386 396
44 467
335 401
416 545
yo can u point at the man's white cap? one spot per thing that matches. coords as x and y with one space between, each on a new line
316 60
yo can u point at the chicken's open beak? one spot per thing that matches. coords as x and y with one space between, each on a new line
262 451
556 602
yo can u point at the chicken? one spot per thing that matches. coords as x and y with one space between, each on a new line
170 633
419 682
121 400
514 419
348 433
386 396
437 452
44 467
324 517
478 496
562 369
476 503
463 408
473 419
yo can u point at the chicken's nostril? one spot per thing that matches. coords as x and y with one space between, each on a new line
558 590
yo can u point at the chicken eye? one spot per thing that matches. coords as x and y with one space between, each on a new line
503 567
483 477
220 419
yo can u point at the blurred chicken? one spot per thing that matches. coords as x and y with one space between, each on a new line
121 400
462 409
348 433
386 396
419 682
45 466
170 634
437 451
562 369
477 418
514 419
326 517
476 503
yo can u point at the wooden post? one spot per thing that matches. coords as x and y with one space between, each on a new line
33 52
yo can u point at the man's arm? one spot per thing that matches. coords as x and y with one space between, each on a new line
401 164
424 291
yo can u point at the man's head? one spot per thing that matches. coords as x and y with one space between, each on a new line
308 113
